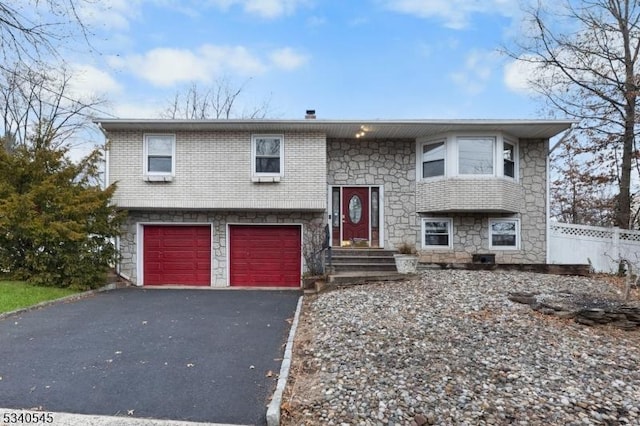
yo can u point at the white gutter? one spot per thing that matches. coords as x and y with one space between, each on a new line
106 155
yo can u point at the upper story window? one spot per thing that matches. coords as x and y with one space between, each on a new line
509 155
159 155
476 156
433 155
267 152
468 155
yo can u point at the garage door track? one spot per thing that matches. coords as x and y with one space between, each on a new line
197 355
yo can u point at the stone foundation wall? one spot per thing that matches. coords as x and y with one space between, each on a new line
471 236
312 223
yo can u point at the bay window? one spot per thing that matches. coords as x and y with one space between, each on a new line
433 159
509 156
468 155
475 156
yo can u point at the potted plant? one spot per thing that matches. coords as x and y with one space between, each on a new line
406 259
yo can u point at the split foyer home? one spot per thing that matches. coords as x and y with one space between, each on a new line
240 202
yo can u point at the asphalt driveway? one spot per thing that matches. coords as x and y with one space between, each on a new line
197 355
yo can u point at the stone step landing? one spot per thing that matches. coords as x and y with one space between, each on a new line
364 261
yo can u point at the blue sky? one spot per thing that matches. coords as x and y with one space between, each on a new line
377 59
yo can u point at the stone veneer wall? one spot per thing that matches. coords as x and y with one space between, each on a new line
387 163
471 231
391 164
311 221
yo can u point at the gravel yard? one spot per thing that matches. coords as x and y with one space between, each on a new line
451 349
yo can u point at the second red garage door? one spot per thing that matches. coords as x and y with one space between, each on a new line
265 255
177 255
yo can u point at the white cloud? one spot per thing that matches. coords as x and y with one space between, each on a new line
269 9
112 14
527 75
90 82
288 59
166 66
518 76
477 71
456 14
138 109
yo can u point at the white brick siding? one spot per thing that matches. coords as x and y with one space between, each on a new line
213 171
469 194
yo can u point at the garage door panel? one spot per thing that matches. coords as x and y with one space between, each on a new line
187 244
182 256
265 255
177 255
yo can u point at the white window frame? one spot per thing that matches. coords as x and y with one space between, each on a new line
450 233
516 157
498 220
145 156
493 154
255 174
420 161
452 155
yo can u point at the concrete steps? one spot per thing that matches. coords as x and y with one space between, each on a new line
364 260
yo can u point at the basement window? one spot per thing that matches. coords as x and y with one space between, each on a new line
437 232
504 234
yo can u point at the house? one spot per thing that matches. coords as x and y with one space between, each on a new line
240 202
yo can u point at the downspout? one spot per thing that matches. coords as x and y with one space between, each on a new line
106 155
548 200
105 184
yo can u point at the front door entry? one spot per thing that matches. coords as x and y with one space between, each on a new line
355 214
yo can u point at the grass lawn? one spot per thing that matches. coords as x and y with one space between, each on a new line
18 294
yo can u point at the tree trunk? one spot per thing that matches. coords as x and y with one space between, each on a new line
630 94
624 199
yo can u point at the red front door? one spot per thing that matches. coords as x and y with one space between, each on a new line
355 214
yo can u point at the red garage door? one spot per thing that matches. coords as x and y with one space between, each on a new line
177 255
264 255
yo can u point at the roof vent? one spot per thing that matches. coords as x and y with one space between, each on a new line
310 114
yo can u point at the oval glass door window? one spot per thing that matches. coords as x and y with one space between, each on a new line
355 209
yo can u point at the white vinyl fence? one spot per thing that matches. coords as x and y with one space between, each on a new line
602 247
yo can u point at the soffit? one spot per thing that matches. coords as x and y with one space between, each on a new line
373 129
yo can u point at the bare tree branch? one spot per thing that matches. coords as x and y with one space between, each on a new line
216 102
31 29
34 103
586 56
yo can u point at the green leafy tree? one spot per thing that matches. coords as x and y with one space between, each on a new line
57 224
